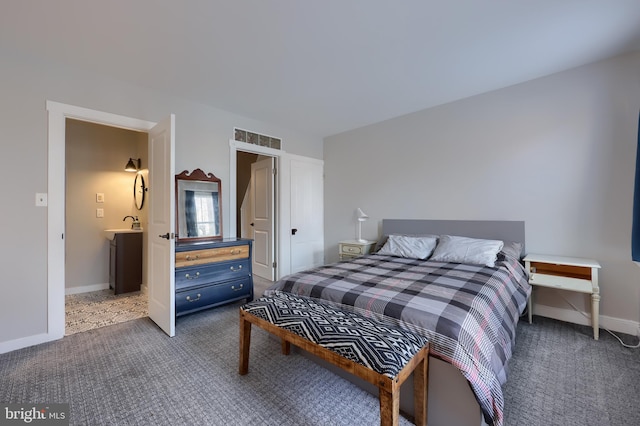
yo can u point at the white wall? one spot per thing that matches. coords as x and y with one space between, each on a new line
557 152
202 141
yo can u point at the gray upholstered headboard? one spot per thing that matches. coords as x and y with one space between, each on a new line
505 230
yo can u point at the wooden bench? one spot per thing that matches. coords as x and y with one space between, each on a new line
383 355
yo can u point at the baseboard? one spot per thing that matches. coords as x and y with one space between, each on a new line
25 342
583 318
85 288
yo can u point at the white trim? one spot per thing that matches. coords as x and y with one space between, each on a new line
85 288
25 342
100 117
577 317
307 159
258 149
57 115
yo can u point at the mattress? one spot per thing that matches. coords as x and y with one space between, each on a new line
468 312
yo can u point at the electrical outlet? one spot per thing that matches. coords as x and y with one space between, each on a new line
99 212
99 197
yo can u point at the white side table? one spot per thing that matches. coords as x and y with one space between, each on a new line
566 273
349 249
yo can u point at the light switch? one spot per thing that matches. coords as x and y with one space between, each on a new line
41 199
99 197
99 212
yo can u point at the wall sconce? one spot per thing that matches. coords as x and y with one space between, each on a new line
131 166
362 216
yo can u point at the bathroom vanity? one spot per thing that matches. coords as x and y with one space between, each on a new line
125 260
210 270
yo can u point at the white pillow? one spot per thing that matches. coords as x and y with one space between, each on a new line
410 247
467 250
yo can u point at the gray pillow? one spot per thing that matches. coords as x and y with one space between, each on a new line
467 250
382 241
408 246
512 249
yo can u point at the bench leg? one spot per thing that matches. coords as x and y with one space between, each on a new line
285 347
420 394
245 342
389 407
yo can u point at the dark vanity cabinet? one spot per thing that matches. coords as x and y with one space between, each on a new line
212 273
125 262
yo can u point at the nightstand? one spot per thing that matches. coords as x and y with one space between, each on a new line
349 249
566 273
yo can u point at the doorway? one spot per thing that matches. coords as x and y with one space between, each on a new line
56 226
298 202
255 209
99 196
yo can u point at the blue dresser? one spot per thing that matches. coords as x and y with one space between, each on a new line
212 273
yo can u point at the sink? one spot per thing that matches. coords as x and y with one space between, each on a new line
111 233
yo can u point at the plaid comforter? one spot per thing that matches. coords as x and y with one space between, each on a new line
468 312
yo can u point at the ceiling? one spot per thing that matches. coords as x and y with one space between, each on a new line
322 67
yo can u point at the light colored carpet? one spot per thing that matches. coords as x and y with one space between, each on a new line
87 311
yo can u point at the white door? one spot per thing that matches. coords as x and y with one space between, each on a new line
307 218
161 227
262 218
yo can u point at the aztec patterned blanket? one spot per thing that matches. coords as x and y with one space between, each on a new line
373 344
468 312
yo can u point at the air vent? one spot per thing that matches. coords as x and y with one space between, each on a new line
241 135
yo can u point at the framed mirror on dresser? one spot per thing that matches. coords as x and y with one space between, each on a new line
210 270
198 206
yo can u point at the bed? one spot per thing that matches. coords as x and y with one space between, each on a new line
469 311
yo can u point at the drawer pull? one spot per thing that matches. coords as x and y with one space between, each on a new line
189 257
236 251
192 277
189 299
236 270
233 287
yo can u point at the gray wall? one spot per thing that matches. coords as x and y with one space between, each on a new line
557 152
202 141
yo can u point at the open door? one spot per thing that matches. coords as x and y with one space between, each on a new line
262 218
161 227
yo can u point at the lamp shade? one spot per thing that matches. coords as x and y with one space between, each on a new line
131 166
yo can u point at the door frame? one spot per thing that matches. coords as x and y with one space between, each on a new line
282 252
56 175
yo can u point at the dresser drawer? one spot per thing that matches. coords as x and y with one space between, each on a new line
207 296
563 283
198 275
198 257
566 277
355 250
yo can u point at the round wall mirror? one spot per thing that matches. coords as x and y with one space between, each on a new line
138 191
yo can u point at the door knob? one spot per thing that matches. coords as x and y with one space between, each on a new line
252 224
293 231
166 236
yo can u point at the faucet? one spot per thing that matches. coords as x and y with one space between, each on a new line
136 222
